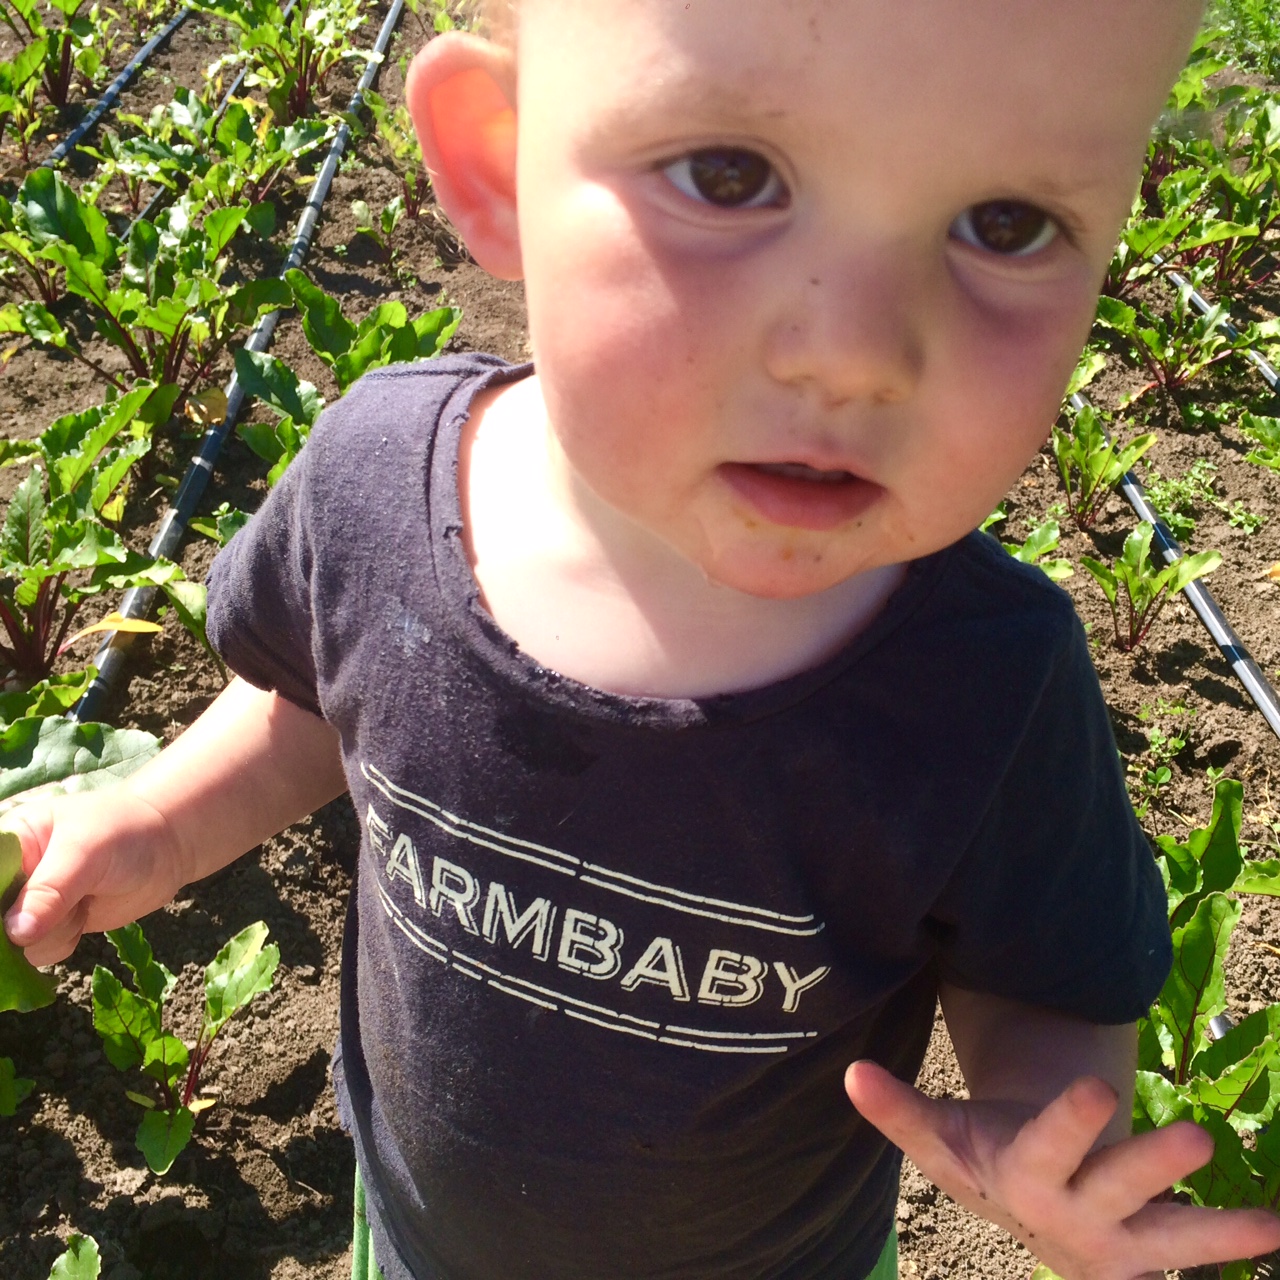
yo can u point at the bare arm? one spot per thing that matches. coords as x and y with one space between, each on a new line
1017 1052
247 768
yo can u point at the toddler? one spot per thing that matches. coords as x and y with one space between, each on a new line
698 743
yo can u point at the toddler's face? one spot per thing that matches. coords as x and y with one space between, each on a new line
806 278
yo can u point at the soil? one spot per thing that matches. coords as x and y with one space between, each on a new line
264 1190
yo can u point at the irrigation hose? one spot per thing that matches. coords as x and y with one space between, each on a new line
1201 600
137 601
114 90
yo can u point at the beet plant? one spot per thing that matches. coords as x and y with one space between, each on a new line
1263 434
131 1025
20 114
80 1261
385 336
1175 348
288 56
170 315
1193 1064
1091 464
47 212
75 47
1137 591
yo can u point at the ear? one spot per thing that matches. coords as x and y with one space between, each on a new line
460 92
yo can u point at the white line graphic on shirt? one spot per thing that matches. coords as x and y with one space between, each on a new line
584 1010
591 873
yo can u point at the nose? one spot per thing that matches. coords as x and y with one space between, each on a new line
850 333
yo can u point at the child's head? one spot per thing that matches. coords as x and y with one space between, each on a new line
805 278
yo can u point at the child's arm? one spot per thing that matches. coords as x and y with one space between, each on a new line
1042 1147
248 767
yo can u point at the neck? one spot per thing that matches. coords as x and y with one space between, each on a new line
588 593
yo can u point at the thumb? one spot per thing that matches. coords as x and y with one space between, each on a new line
903 1114
928 1130
50 907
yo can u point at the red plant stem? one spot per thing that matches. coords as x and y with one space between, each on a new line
17 636
73 607
97 368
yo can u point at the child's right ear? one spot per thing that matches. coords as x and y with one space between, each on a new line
460 92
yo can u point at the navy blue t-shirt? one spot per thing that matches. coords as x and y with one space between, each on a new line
607 957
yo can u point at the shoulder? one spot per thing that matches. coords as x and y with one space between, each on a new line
399 401
993 605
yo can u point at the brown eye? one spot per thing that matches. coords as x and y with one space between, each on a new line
1007 227
727 177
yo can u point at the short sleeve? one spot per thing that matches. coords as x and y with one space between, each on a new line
1058 901
260 593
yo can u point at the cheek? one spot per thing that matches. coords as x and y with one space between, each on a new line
1006 380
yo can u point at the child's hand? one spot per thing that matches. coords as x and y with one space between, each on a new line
92 862
1089 1215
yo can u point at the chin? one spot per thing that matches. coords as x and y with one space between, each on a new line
792 578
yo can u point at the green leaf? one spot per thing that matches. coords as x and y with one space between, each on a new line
41 325
1262 877
140 261
220 225
249 301
1217 846
79 1262
190 603
24 539
1194 991
13 1088
275 384
54 213
1189 568
153 981
49 697
328 331
240 971
1106 579
166 1059
262 218
22 986
127 1023
1226 1182
48 752
1091 364
1157 1102
162 1135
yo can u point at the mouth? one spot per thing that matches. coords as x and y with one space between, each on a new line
800 496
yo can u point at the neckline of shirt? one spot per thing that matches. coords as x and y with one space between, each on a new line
475 627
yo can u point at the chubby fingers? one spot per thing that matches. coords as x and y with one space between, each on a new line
1170 1235
1121 1179
1051 1146
48 915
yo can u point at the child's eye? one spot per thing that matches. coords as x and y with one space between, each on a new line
1007 227
727 177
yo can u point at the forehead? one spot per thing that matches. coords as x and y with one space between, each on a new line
1098 61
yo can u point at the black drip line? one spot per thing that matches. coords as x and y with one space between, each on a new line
137 601
1201 600
114 90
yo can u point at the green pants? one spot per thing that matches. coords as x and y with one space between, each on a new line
363 1267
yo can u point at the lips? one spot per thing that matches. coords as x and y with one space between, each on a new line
800 496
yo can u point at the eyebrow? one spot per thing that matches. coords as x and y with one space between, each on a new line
681 95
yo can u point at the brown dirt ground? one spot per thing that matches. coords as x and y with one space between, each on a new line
264 1192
